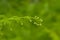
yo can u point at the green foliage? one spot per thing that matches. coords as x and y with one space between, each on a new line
19 21
25 28
11 28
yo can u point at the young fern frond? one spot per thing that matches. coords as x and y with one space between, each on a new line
35 19
23 27
19 26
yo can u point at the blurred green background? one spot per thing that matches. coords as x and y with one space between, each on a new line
48 10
